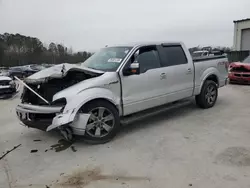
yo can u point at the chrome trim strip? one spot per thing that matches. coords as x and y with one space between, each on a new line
37 109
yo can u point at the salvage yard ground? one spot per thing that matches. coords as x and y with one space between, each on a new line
184 147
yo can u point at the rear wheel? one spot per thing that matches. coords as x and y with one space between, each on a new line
103 123
208 96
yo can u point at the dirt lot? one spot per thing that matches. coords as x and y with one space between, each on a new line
184 147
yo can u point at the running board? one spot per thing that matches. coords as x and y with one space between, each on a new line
154 111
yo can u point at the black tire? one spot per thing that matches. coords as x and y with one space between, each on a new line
116 125
201 99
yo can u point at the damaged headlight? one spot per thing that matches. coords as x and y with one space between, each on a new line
59 102
12 83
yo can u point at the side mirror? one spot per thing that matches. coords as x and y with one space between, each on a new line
134 68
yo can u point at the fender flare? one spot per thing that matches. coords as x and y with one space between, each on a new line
77 101
209 72
88 95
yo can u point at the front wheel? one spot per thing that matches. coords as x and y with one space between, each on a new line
103 123
208 96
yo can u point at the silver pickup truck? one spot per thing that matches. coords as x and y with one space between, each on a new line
92 98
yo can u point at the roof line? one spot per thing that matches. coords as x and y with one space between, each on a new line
243 20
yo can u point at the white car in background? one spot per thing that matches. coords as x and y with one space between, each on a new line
7 87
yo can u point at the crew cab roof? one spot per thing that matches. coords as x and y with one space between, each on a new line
137 44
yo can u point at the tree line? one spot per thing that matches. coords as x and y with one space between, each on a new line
17 50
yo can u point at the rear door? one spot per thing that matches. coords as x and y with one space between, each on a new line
179 71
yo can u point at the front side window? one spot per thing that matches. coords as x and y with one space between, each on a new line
107 59
147 57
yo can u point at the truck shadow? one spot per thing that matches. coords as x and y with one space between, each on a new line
159 118
162 118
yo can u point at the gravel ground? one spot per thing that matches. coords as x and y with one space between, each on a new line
184 147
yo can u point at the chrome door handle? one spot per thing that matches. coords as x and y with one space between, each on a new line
189 70
163 76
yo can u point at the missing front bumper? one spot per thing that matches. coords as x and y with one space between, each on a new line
39 117
47 118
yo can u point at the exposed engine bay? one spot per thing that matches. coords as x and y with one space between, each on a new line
51 86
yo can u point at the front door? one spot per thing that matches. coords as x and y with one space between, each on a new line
147 89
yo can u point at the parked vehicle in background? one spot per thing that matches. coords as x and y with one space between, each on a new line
205 53
201 53
239 72
31 69
7 87
4 72
115 85
17 71
24 71
47 65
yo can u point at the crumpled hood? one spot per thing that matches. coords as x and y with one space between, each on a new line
100 81
57 71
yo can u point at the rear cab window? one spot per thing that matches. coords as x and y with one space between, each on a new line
172 55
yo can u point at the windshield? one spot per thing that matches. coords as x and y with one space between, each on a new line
247 60
107 59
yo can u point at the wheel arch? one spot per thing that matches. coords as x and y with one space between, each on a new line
213 77
102 99
210 74
78 101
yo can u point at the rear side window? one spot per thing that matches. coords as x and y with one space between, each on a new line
173 55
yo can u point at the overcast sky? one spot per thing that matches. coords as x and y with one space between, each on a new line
91 24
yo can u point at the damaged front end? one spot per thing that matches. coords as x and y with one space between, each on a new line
39 109
239 73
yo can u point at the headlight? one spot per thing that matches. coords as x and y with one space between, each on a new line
59 102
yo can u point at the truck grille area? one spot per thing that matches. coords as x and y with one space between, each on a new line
4 82
35 116
38 121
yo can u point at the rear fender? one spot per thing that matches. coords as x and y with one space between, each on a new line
210 71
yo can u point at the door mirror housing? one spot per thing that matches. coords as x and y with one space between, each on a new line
134 68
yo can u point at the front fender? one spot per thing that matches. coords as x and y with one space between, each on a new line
77 101
87 95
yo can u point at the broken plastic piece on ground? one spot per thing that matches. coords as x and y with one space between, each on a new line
37 140
34 151
61 145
